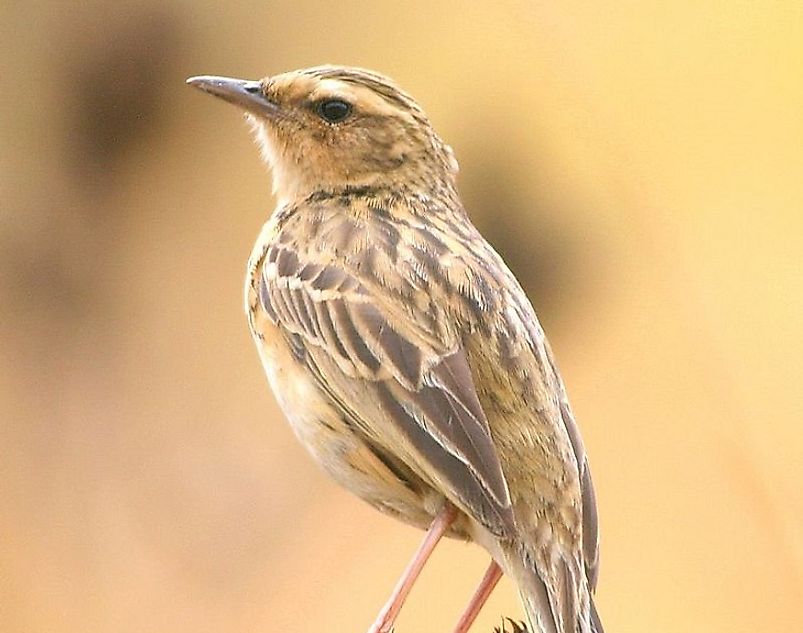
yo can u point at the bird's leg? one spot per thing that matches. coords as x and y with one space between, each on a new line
386 618
489 580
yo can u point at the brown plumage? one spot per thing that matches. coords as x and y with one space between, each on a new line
400 346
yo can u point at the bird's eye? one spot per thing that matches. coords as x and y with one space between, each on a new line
333 110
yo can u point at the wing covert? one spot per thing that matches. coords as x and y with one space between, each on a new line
422 385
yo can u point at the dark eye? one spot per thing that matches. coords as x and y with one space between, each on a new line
333 110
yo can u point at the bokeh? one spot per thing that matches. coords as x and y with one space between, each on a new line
639 164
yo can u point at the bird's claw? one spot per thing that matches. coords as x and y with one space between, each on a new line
515 627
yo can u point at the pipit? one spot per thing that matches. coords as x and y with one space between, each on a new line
401 348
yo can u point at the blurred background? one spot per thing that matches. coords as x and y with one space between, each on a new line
639 165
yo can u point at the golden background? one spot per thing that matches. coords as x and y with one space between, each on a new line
639 164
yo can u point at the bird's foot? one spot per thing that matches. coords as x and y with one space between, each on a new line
511 626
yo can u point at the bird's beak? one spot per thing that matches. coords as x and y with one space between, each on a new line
245 94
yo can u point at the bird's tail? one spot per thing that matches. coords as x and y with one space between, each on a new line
554 592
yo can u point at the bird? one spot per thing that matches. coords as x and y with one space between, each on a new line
401 348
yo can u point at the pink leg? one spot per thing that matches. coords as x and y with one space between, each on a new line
386 618
489 580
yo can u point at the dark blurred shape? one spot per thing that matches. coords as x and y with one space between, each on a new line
115 78
38 272
542 254
118 82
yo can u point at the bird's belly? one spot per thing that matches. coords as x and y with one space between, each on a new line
335 445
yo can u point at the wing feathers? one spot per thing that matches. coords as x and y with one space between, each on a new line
358 350
404 360
427 392
453 471
330 338
459 417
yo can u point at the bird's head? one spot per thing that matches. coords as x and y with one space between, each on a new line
333 127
